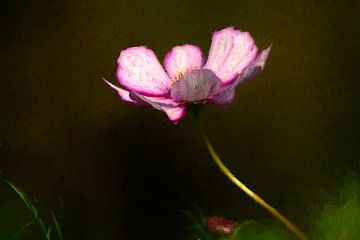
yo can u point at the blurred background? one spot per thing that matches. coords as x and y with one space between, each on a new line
125 172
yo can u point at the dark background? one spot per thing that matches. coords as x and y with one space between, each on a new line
127 173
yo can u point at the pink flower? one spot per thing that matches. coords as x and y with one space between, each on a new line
220 225
233 59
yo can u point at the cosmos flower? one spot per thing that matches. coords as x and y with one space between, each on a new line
233 59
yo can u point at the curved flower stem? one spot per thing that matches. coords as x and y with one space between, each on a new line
287 223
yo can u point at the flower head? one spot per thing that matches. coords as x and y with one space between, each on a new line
233 59
220 226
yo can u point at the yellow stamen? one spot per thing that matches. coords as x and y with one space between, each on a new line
180 75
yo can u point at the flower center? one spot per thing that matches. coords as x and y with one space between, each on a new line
195 87
181 74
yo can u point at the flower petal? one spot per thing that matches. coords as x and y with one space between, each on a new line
175 114
227 94
223 98
230 53
195 86
172 109
139 70
126 95
256 67
183 58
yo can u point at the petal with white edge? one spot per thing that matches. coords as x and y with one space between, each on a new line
183 58
256 67
172 109
126 95
139 70
230 53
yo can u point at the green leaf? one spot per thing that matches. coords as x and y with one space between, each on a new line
240 227
32 208
48 233
339 216
21 194
60 219
42 227
57 226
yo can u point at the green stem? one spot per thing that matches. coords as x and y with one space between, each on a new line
286 222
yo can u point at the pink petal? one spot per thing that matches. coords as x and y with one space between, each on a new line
195 87
139 70
126 95
183 58
230 53
220 225
223 98
227 94
172 109
256 67
175 114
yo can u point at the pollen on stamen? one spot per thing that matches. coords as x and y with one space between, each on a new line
180 75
